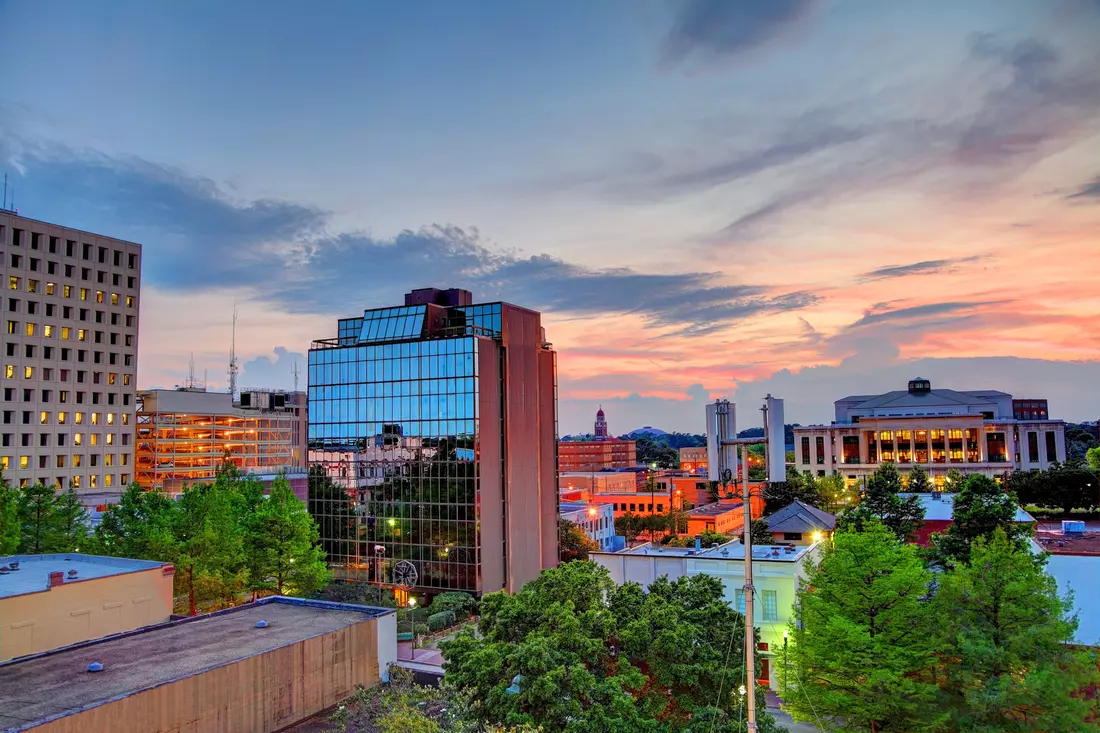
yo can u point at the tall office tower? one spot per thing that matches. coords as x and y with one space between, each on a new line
433 429
70 357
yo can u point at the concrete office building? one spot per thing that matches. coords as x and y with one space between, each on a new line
597 521
185 434
47 601
70 315
441 415
777 571
939 429
223 672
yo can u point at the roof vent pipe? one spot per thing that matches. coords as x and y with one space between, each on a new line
261 624
95 667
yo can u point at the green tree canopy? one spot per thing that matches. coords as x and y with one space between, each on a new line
50 522
954 481
140 525
761 535
11 525
862 638
282 545
573 542
1008 661
919 483
797 486
981 507
1092 455
881 503
580 654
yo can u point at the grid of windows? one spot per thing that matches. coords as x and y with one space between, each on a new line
393 324
393 444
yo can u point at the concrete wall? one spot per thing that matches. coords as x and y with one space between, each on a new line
259 694
490 496
83 609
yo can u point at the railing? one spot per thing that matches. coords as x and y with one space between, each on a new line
438 333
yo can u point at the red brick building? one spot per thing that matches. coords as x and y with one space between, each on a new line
592 455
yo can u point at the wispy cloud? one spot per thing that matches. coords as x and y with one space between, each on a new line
926 267
721 29
1090 190
879 315
197 237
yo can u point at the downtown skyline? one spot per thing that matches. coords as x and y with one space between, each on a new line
705 199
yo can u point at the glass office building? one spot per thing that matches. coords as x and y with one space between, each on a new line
433 441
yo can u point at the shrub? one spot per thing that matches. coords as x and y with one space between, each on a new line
420 629
462 604
441 620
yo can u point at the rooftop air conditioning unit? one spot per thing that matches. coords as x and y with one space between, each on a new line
1074 526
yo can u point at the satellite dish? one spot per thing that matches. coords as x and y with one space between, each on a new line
405 575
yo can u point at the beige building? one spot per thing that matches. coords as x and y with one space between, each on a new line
256 668
938 429
598 482
49 601
70 317
184 435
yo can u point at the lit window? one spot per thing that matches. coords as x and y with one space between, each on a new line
79 419
24 461
91 481
124 459
81 334
125 418
44 418
95 418
31 328
99 296
76 461
9 371
13 282
111 378
67 291
4 463
65 333
125 379
32 286
62 417
47 331
78 438
12 325
110 438
107 480
84 293
129 301
50 287
75 479
110 418
109 459
95 438
114 298
28 372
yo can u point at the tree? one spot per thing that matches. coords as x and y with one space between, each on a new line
1072 486
572 652
71 521
981 507
573 542
919 482
798 485
954 480
41 529
834 492
880 503
11 527
629 525
209 545
1006 633
283 547
862 638
761 534
140 526
1092 455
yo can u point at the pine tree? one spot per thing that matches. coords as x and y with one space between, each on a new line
1008 661
283 546
861 641
70 521
209 545
38 519
881 503
10 524
981 506
140 526
919 482
954 481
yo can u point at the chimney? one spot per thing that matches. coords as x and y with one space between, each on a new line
57 578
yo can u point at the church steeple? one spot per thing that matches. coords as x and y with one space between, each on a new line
601 425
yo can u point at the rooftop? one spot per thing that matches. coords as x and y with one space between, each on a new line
57 683
799 516
1076 566
942 509
729 551
1069 543
34 571
716 508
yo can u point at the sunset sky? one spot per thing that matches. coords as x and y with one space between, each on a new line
705 198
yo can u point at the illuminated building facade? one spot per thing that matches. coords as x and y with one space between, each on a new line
938 429
184 435
70 317
433 428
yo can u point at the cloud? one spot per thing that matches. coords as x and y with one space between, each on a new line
278 373
875 316
1090 190
926 267
197 237
722 29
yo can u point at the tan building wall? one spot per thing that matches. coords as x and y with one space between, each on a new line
79 610
260 694
71 324
598 483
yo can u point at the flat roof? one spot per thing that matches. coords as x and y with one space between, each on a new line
57 683
716 508
733 550
34 571
943 508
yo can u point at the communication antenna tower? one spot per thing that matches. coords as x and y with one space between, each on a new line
233 370
296 376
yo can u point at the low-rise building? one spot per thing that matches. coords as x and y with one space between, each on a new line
1074 563
638 502
693 489
48 601
777 572
184 435
694 460
593 455
939 514
721 517
598 482
597 521
974 431
256 668
801 523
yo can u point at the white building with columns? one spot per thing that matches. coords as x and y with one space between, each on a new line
939 429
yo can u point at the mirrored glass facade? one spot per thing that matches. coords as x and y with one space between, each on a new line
402 404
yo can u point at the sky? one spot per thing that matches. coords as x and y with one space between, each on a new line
705 198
